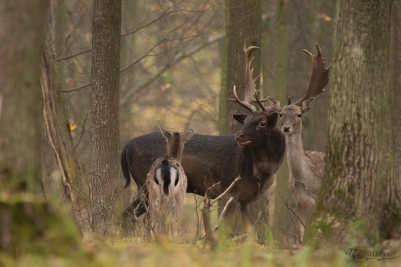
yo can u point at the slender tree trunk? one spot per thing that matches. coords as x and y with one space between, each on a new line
243 27
395 68
63 171
324 36
105 134
274 69
358 203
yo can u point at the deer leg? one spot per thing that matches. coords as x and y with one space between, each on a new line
136 209
249 215
174 229
301 222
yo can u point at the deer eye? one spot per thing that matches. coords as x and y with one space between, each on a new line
299 115
262 124
281 115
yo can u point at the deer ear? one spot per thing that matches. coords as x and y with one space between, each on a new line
274 104
240 118
307 104
188 134
165 133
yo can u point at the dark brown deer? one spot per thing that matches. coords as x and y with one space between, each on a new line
167 184
306 167
254 153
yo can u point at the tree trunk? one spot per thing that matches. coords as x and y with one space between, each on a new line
60 164
274 69
243 27
358 203
324 36
105 134
21 38
395 67
26 220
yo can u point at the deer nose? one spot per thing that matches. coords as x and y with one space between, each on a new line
286 128
240 135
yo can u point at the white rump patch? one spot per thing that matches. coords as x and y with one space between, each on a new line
173 178
159 176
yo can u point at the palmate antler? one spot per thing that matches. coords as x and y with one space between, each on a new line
249 92
319 77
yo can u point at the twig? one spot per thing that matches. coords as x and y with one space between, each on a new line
222 213
293 212
179 57
83 130
221 216
225 192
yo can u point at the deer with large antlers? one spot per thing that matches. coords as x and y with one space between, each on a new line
306 167
167 184
255 153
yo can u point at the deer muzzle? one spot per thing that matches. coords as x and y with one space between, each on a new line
242 139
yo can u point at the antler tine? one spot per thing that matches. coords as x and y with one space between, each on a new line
250 85
258 100
246 105
249 82
319 77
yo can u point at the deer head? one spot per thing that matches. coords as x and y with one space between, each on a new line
175 142
258 123
292 114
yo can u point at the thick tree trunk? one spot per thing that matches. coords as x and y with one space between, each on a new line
105 185
21 38
26 220
358 186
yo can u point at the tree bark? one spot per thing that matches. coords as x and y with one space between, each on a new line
21 38
243 27
26 220
105 185
60 164
359 203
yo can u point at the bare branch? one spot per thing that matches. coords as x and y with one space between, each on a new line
225 192
179 57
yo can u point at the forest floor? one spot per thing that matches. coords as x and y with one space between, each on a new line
59 245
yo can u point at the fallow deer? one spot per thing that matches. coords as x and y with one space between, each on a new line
255 153
306 167
167 184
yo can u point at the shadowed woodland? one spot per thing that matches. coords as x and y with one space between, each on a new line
319 85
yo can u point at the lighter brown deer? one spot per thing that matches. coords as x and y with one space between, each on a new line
167 184
306 167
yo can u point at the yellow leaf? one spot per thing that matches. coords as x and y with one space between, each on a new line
72 125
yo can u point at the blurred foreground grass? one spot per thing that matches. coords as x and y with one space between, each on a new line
135 252
35 233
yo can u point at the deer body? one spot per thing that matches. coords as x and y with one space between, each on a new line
167 184
306 170
306 167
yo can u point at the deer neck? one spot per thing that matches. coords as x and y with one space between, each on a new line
174 150
295 155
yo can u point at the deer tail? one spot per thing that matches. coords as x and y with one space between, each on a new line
125 167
